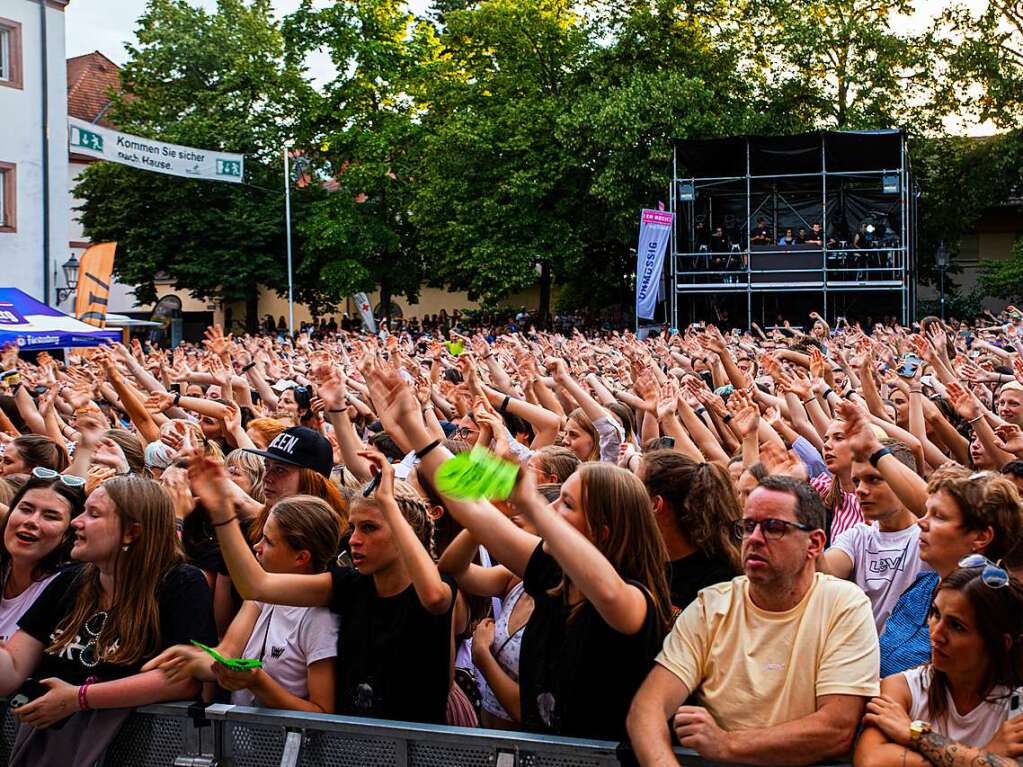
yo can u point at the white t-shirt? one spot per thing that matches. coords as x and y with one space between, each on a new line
288 640
12 609
973 729
884 564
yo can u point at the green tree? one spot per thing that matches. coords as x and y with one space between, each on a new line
363 136
673 70
220 81
985 49
498 193
840 63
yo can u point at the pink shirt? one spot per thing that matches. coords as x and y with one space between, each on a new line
847 513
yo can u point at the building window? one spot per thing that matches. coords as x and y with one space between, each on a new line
8 196
10 54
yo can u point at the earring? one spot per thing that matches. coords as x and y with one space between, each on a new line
124 547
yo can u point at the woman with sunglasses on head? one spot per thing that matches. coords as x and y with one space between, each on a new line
82 645
966 513
37 538
961 708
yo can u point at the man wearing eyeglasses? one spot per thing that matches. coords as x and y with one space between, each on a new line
779 661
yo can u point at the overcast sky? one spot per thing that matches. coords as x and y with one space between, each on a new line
106 25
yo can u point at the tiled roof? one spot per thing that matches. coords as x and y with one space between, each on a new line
90 79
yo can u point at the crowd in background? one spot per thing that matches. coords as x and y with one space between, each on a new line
771 547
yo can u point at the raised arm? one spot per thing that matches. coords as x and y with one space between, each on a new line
434 594
210 485
622 605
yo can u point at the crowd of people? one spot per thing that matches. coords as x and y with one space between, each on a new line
770 547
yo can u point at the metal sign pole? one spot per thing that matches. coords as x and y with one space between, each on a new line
287 225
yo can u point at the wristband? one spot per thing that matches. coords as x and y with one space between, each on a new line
827 392
179 525
177 398
420 454
83 700
504 405
337 410
700 410
808 401
878 455
248 367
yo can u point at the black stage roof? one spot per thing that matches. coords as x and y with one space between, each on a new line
843 152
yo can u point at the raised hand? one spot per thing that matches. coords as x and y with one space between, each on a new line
862 440
964 402
159 401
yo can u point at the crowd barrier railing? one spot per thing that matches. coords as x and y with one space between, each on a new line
219 735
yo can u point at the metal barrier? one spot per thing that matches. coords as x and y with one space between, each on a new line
188 735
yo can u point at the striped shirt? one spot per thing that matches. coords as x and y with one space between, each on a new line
847 513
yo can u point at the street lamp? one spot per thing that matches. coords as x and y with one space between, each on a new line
70 269
941 261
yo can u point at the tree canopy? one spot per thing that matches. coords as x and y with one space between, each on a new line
484 146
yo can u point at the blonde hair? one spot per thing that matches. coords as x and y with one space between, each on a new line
253 466
579 416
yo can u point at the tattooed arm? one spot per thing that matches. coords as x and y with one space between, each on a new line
942 751
887 741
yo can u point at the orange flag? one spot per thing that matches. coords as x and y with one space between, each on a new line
94 277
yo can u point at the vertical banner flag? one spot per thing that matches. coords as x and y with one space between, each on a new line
366 311
654 230
94 277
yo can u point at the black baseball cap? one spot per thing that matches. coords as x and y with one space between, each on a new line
300 446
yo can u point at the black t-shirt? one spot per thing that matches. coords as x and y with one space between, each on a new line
199 540
186 613
577 678
686 576
393 656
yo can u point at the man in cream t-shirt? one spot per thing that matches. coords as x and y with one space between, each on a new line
780 661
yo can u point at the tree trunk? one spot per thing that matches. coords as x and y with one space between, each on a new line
544 310
252 313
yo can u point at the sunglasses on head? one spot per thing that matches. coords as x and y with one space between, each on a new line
993 574
41 472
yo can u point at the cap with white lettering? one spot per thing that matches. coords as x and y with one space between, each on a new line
300 446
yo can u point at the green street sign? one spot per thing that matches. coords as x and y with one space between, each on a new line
86 139
229 168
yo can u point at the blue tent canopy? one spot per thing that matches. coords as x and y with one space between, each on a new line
33 325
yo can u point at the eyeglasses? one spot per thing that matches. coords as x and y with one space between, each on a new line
462 432
993 574
41 472
771 528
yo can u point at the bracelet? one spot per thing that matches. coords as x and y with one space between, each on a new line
700 410
248 367
504 405
83 700
974 420
916 391
808 401
878 455
177 398
828 392
420 454
179 525
225 522
338 410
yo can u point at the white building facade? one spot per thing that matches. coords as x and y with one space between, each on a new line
34 200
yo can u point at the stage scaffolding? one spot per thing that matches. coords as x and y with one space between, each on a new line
848 182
